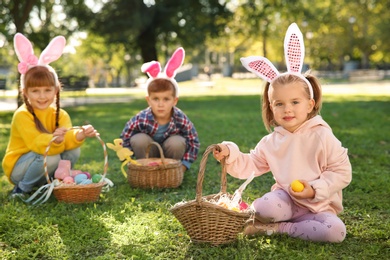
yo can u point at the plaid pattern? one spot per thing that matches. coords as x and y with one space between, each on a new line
180 124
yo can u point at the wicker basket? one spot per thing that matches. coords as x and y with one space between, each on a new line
168 174
73 193
206 222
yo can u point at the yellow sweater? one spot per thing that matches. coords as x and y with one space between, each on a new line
25 137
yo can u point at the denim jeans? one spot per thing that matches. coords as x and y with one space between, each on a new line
29 171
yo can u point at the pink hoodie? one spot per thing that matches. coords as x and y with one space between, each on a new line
311 153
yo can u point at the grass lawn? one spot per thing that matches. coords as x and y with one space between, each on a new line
128 223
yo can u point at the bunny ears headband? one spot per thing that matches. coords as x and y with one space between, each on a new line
294 52
25 53
153 69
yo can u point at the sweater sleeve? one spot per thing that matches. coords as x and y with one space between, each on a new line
71 141
337 169
241 165
131 128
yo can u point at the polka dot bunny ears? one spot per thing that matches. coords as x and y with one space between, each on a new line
25 53
294 52
153 69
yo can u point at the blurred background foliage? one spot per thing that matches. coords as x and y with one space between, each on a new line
108 40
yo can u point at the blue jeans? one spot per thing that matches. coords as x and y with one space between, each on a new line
29 171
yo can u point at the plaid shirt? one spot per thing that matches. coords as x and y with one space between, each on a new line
180 124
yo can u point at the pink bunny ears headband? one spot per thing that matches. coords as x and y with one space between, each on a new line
153 69
294 52
25 53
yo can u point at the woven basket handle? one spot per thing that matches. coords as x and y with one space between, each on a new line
55 137
159 148
202 168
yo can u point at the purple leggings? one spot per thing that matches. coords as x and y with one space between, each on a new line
299 222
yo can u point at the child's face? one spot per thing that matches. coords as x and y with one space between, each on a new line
40 97
162 104
290 105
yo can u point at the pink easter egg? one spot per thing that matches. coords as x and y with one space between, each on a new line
243 206
88 175
68 180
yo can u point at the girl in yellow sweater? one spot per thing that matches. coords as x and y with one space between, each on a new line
36 122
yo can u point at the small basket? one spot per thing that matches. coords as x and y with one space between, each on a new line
167 175
76 193
206 222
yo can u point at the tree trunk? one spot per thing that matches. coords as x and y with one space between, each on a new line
20 14
147 43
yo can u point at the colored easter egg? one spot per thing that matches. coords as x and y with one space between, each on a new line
297 186
223 204
96 178
153 164
68 180
88 175
80 177
86 181
243 206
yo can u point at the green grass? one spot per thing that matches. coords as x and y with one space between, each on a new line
129 223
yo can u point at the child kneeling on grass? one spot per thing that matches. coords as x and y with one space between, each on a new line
301 147
162 121
37 122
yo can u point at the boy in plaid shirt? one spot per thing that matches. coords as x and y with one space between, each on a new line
162 121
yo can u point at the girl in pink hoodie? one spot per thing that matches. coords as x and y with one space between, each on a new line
301 147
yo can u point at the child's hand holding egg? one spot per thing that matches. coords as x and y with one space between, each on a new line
297 186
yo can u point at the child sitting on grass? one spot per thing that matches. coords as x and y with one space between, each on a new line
36 122
301 147
162 121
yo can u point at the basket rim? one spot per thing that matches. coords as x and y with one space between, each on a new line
172 163
206 204
79 186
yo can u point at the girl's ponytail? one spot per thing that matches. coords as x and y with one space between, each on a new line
58 107
37 122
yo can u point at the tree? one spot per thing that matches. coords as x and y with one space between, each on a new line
17 16
162 25
334 31
18 13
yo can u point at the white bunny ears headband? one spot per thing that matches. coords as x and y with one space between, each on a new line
153 69
25 52
294 52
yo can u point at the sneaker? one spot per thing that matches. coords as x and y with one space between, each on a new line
255 227
17 193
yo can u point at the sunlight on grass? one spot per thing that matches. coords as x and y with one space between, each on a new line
229 86
130 223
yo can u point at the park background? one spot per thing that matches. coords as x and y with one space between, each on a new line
346 46
108 40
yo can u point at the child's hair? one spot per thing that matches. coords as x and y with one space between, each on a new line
161 85
268 117
37 77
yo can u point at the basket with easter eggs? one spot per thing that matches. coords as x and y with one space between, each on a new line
149 172
76 186
214 219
